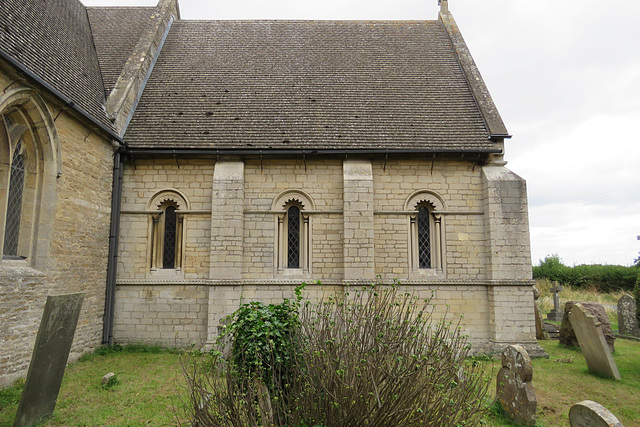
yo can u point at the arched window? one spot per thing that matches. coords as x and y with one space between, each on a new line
170 233
293 231
293 237
167 231
426 243
14 202
424 237
29 165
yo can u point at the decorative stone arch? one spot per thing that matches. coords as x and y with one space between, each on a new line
169 195
29 125
167 232
293 196
425 233
424 196
293 232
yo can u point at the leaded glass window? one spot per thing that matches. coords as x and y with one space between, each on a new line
293 237
169 247
424 238
14 203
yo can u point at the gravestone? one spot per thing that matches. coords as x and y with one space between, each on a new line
568 336
50 354
556 313
514 389
592 343
541 334
591 414
627 320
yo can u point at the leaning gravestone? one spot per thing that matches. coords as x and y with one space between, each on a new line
50 354
568 336
627 320
514 389
592 343
591 414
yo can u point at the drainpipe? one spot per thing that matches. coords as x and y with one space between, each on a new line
114 236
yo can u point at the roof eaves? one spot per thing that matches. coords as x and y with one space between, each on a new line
55 92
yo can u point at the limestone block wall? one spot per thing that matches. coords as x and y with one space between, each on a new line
506 224
72 239
142 181
359 214
170 315
79 249
459 184
322 181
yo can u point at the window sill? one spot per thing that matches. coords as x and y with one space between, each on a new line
293 273
18 267
425 273
166 273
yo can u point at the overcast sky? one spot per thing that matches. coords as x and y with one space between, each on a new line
565 76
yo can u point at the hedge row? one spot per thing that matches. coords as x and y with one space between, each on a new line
606 278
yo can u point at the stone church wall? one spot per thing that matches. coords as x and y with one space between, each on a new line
184 310
70 258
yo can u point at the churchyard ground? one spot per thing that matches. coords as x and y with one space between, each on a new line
149 385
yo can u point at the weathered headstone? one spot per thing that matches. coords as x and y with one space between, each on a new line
568 336
541 334
591 414
50 354
556 313
592 343
514 389
627 320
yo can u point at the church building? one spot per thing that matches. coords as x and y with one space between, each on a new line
174 169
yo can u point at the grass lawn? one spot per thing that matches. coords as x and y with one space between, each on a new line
144 395
563 380
150 380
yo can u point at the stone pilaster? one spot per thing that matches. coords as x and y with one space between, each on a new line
227 204
358 220
506 224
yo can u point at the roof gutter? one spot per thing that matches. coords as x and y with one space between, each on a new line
55 92
200 152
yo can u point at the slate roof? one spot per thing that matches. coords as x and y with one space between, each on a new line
53 39
308 85
116 31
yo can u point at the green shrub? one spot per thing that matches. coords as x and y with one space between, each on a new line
262 338
371 356
605 278
375 356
